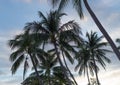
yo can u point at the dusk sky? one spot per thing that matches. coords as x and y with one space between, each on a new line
15 13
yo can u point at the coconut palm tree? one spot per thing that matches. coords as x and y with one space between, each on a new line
85 63
97 51
77 5
56 78
50 31
49 72
91 54
25 46
67 51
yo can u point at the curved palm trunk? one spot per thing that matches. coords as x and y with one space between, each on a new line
39 79
101 28
88 77
98 83
69 70
58 57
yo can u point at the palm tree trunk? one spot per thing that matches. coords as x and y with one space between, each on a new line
58 57
98 83
49 80
101 28
39 79
88 77
69 69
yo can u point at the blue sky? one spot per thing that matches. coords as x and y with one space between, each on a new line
15 13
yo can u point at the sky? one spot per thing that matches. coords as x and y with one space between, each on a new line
14 14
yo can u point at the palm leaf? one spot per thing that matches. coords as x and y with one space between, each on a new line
17 63
78 7
26 66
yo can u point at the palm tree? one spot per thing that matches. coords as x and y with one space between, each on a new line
97 51
90 54
49 72
78 7
50 31
85 63
25 46
67 52
57 77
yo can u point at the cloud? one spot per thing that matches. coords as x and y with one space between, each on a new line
31 1
110 2
115 33
25 1
112 19
2 72
110 75
10 80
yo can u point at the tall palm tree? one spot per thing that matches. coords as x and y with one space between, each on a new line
77 5
85 63
24 47
97 51
68 52
50 31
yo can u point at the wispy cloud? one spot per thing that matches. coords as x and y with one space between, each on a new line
115 33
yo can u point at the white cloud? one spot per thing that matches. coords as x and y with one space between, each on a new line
115 33
105 77
113 18
108 76
110 2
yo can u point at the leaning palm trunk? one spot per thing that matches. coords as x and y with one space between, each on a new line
39 79
101 28
58 57
69 70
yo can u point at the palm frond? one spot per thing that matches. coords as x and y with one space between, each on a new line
26 66
15 55
16 64
68 56
70 25
34 27
77 4
54 3
118 40
62 4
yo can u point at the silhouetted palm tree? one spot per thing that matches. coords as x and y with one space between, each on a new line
67 51
91 53
49 72
50 31
85 63
77 5
25 46
97 51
